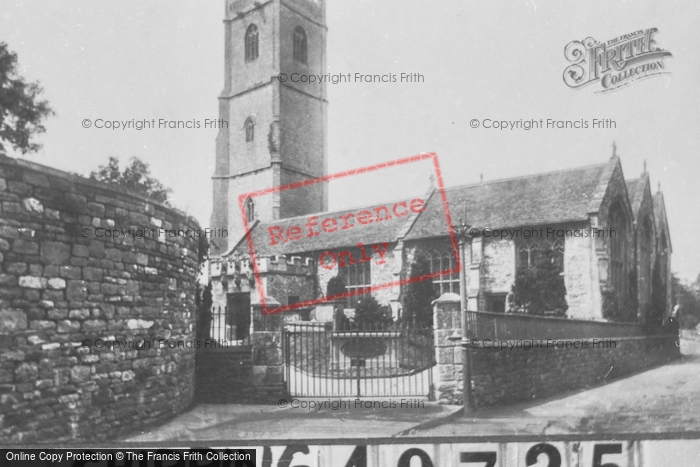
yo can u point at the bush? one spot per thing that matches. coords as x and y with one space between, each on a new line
369 313
541 287
613 311
418 309
335 286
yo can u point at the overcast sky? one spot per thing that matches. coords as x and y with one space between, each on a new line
498 60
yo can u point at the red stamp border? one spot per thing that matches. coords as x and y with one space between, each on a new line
371 168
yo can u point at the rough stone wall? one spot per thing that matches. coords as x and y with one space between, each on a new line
225 376
508 376
290 276
579 279
61 285
499 265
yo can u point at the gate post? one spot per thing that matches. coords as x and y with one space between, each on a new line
266 334
447 323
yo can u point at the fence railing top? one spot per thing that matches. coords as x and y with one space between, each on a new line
550 318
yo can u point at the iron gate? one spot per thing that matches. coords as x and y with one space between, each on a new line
364 361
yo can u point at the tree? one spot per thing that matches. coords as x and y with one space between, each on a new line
21 113
688 298
335 287
417 303
136 177
540 287
370 314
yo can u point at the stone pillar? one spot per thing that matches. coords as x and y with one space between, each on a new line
474 274
447 324
266 333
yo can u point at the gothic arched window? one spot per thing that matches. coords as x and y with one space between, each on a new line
250 210
251 43
529 251
249 126
617 221
299 52
646 247
443 260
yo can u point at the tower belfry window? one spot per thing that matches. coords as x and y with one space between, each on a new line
251 43
299 52
249 130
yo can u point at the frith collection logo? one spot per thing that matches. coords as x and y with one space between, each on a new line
615 63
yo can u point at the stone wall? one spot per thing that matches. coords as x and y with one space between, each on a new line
226 376
508 376
66 288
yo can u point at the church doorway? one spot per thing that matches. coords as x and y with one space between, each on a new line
238 316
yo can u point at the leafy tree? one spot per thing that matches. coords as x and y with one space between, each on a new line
688 298
540 287
136 177
335 286
369 313
21 111
418 309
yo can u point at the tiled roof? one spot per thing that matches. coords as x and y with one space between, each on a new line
376 232
540 199
548 198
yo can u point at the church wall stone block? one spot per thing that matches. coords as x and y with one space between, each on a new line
301 200
302 120
282 286
579 278
264 204
385 273
246 156
65 290
248 74
499 265
325 274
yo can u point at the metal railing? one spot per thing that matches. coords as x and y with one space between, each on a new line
367 360
223 328
508 326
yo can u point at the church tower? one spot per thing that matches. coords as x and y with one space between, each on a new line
276 131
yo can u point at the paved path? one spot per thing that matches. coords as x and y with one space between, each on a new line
236 421
664 399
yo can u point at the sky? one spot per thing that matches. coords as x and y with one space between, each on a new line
479 60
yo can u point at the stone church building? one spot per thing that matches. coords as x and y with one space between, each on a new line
277 136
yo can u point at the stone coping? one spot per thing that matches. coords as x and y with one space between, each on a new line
81 180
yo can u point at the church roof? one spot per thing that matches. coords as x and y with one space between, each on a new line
376 232
546 198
